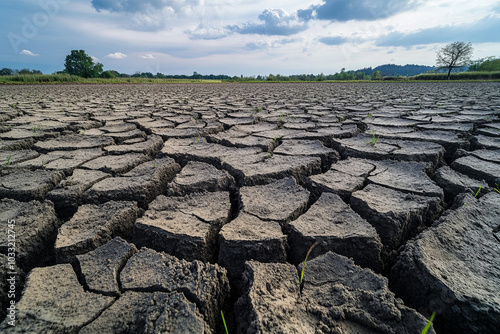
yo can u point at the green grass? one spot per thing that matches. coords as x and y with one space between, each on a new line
8 160
495 75
477 193
304 265
66 78
374 139
426 328
497 188
224 321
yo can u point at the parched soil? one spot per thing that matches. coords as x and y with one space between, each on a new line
154 208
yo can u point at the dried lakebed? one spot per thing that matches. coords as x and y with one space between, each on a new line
152 208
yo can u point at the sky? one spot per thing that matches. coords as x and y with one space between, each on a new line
242 37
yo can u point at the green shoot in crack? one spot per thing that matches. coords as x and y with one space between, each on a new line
426 328
224 321
304 265
374 139
477 193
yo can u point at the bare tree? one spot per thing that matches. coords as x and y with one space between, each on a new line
454 55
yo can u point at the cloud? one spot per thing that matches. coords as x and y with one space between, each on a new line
94 59
275 21
258 45
28 53
333 40
147 56
346 10
482 31
264 45
203 31
147 15
116 55
136 6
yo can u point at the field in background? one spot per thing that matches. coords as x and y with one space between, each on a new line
64 78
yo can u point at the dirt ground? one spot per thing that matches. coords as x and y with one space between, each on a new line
151 208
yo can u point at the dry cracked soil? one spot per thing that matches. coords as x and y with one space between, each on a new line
152 208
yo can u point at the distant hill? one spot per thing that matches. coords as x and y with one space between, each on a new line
393 70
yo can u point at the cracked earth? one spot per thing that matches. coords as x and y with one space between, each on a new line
152 208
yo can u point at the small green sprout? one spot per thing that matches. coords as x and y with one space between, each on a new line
43 163
477 193
10 127
340 118
497 188
63 110
374 139
281 117
486 118
304 265
82 131
35 128
154 164
198 139
426 328
275 139
8 160
224 321
370 115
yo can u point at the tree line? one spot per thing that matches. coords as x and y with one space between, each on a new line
453 57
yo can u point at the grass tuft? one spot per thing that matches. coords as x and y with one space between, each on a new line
426 328
304 265
477 193
374 139
224 321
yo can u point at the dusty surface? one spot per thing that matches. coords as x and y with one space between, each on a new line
151 208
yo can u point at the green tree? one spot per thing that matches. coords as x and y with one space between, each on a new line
490 65
376 75
6 71
454 55
80 64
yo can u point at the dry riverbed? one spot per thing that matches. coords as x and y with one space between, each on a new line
152 208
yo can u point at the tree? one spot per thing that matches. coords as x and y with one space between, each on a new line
490 65
454 55
6 71
80 64
376 75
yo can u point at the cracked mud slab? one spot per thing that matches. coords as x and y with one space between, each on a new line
336 228
204 284
453 268
53 300
338 297
186 227
94 225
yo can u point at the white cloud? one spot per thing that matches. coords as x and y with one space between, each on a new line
94 59
147 56
116 55
28 53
